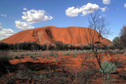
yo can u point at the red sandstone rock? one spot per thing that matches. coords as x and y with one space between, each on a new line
49 34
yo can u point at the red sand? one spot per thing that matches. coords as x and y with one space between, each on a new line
49 34
75 63
72 62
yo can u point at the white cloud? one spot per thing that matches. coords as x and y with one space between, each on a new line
23 25
89 8
106 2
3 15
125 5
31 17
24 8
34 16
72 11
103 9
85 9
4 33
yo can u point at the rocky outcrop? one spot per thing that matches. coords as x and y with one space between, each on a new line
50 34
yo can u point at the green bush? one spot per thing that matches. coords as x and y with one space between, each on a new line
84 75
86 47
51 53
67 53
59 45
4 46
101 46
51 47
27 46
66 46
43 47
123 37
117 43
107 68
111 46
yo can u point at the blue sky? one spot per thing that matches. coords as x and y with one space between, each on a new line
18 15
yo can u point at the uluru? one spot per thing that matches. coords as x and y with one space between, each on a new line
62 42
50 34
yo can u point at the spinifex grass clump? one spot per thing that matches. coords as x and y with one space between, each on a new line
51 53
67 53
34 57
56 55
107 68
74 54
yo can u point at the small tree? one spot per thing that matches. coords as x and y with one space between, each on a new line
116 42
111 46
97 28
59 45
123 37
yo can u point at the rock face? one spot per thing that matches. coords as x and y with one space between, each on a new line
50 34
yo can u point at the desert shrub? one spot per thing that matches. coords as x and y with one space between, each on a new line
43 47
67 53
86 47
51 47
66 46
115 51
103 51
77 52
28 46
122 74
123 37
11 46
59 45
56 55
43 76
62 77
69 47
84 75
4 46
111 46
15 46
102 46
87 51
74 54
107 68
116 42
34 57
77 47
46 55
51 53
30 76
23 76
5 65
24 46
